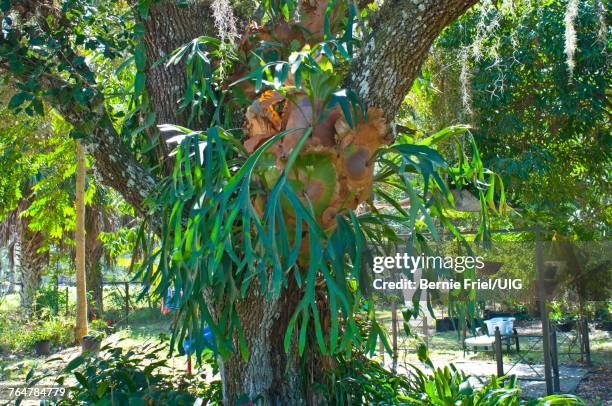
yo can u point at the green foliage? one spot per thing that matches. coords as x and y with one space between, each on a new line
209 240
38 165
449 386
233 226
98 325
361 380
54 330
19 334
544 132
49 299
132 376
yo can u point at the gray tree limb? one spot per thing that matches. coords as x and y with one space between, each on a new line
400 40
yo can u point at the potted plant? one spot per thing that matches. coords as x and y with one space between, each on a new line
97 331
42 336
91 342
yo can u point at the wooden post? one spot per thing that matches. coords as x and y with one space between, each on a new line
67 300
543 312
516 340
498 353
586 340
394 332
79 238
56 294
127 301
555 360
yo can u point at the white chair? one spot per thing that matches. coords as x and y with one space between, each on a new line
506 329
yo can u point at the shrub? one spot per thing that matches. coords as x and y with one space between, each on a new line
360 380
99 327
133 376
50 298
19 334
449 386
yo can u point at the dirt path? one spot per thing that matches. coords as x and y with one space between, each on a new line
596 386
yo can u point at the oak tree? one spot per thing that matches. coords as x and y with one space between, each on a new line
264 209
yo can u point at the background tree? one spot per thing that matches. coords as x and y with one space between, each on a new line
104 217
28 244
37 198
543 127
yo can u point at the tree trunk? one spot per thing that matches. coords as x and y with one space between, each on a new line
179 25
94 223
9 272
381 75
12 267
81 290
270 375
31 264
392 57
93 281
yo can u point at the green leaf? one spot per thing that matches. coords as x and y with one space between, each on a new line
17 100
139 83
101 389
81 379
75 363
140 58
444 134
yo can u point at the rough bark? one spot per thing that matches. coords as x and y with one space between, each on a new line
271 375
165 85
177 26
95 222
81 290
392 57
9 239
29 253
32 262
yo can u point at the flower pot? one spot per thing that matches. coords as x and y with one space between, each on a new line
442 325
446 324
90 344
565 326
42 347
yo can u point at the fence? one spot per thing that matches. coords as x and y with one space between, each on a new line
118 296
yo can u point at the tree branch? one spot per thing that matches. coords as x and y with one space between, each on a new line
114 162
401 37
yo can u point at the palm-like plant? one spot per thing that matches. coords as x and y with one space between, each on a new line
27 249
266 236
